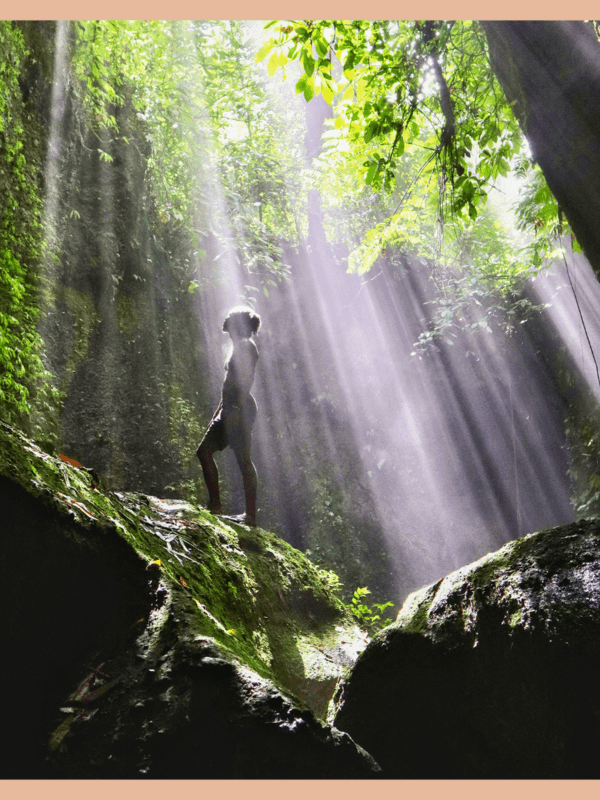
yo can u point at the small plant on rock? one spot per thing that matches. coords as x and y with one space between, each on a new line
368 617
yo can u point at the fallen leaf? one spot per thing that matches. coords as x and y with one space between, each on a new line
70 461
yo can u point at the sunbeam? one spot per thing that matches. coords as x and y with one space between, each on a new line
388 462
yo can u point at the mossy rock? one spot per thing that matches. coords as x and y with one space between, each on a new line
490 672
139 582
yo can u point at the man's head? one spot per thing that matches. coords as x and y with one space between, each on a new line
242 321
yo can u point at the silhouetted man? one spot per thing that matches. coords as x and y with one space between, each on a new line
232 422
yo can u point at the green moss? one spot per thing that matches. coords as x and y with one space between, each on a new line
516 618
127 316
460 593
252 592
414 614
85 319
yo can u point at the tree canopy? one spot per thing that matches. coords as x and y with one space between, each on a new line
417 105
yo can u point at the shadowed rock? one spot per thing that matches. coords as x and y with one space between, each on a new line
146 638
491 672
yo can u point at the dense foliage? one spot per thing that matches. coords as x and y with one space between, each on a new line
26 398
420 135
216 157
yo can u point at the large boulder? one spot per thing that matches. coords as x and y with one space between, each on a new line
147 638
492 672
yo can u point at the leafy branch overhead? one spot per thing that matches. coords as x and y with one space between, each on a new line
412 84
420 120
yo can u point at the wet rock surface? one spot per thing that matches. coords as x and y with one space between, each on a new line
145 638
491 672
197 714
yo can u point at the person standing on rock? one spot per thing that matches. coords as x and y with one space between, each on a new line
232 422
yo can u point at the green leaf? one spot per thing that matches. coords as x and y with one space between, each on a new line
348 92
468 189
371 173
349 62
265 50
371 129
308 63
309 91
322 46
300 86
327 93
273 64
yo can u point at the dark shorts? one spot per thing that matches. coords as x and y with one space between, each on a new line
231 428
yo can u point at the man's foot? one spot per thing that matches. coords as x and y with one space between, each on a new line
240 519
216 510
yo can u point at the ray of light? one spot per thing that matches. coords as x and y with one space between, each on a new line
571 291
452 455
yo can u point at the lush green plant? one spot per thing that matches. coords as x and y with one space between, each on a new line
25 388
539 215
408 84
330 579
218 163
583 437
368 617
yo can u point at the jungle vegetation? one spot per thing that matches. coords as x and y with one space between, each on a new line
418 129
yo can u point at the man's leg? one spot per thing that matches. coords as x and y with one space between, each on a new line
248 470
211 476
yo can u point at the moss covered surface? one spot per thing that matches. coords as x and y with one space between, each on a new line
261 600
511 579
84 318
490 672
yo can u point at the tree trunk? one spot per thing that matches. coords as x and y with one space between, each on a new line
550 72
